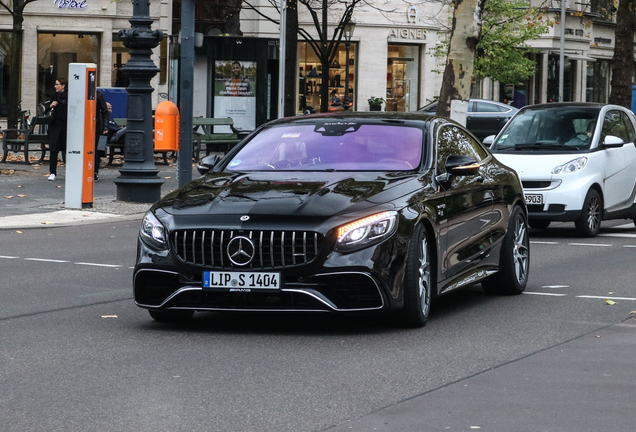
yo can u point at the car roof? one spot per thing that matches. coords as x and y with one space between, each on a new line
362 116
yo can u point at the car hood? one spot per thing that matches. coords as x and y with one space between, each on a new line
535 166
288 193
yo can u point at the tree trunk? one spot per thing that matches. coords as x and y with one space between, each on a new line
623 62
458 74
291 50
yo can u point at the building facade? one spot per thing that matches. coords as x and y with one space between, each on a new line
59 32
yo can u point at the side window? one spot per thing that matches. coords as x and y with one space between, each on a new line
629 128
486 107
613 125
454 141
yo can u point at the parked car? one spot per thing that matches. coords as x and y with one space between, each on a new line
577 162
339 213
484 117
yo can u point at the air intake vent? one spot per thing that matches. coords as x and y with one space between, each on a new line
272 249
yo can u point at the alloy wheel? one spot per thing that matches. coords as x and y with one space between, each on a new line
520 250
594 213
424 283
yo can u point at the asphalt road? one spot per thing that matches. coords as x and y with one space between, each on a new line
78 355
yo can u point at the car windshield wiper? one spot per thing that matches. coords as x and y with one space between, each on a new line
543 146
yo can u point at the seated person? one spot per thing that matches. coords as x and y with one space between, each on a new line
583 139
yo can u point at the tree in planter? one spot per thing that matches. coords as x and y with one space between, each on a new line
16 9
375 103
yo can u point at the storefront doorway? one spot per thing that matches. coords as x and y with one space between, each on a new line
402 77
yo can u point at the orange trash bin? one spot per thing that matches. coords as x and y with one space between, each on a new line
166 127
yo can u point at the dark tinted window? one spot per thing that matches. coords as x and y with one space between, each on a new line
486 107
333 145
614 124
454 141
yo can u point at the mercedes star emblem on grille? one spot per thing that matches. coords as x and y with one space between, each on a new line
241 250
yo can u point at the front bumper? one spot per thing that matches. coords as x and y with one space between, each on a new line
358 281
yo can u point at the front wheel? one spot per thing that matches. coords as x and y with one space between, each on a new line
419 280
514 259
589 223
171 315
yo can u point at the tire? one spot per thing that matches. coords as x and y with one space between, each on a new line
539 224
589 224
419 280
171 315
514 259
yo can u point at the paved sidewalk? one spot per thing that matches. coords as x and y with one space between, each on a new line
28 200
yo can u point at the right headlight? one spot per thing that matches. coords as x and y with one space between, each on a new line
153 233
570 167
366 231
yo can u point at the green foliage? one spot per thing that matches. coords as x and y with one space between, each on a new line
507 26
375 100
502 51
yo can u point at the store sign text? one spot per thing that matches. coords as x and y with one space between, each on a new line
71 4
406 33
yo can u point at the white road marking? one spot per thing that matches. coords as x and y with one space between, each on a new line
629 225
630 246
98 265
45 260
544 294
606 298
555 286
8 257
590 244
544 242
624 235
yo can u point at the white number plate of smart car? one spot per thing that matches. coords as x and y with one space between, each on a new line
534 199
241 281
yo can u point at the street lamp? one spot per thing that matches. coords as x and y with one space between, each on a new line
139 181
348 33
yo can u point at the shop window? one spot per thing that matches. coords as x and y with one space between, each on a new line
553 79
120 57
56 51
597 81
7 79
310 78
402 77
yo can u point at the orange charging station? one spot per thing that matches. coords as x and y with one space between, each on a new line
80 135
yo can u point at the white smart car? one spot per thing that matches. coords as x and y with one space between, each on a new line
576 161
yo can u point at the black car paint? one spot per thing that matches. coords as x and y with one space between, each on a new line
467 248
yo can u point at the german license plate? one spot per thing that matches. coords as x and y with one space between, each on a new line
241 281
534 199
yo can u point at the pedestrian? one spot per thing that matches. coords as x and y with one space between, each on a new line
57 127
101 129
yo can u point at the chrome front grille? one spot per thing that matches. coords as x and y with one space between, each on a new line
272 249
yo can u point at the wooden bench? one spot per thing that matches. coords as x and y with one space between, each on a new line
34 135
204 135
114 148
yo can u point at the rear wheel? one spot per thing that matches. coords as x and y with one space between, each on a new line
589 223
539 224
514 259
171 315
419 280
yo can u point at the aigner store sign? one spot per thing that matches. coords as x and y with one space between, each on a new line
408 33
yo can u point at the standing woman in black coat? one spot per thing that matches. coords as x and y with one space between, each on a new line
57 127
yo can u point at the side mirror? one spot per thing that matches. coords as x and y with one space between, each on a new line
612 141
461 165
207 163
488 140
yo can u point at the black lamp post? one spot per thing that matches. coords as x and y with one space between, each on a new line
139 181
348 33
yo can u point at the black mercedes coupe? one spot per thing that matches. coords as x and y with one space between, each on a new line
356 212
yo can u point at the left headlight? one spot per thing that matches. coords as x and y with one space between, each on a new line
366 231
570 167
153 232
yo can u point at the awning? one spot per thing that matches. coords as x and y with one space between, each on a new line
576 56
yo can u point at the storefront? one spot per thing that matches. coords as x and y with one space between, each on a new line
56 34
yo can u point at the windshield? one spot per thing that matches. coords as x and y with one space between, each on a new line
548 130
331 146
